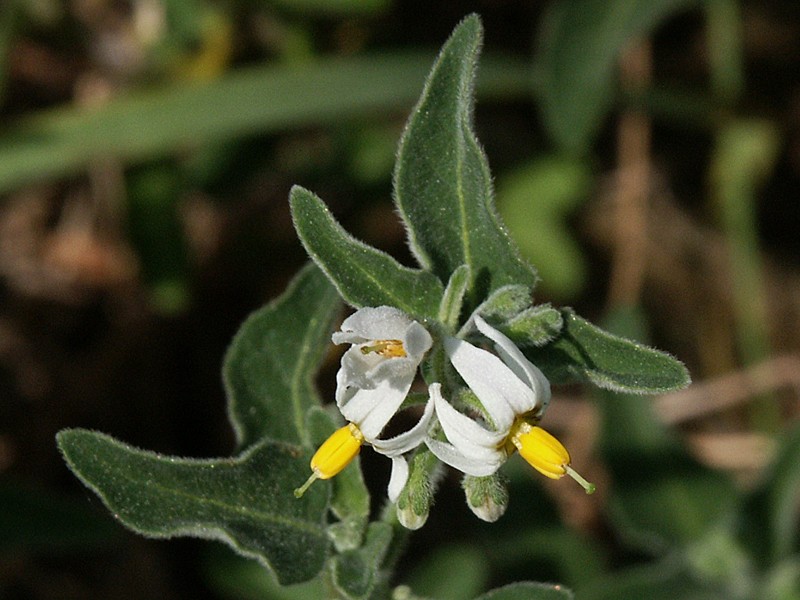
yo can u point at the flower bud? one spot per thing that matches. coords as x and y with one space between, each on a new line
487 497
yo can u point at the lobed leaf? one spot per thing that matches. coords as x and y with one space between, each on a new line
363 275
442 184
269 367
246 502
585 352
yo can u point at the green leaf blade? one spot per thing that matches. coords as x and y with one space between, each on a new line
363 275
442 182
246 502
269 367
584 352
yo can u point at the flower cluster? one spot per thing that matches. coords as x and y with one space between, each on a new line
376 375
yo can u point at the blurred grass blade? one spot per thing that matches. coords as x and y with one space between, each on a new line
581 40
244 102
8 21
335 8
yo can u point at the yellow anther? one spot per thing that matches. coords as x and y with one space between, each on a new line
545 453
333 455
386 348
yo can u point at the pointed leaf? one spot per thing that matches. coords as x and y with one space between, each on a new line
527 590
269 368
585 352
442 183
363 275
246 502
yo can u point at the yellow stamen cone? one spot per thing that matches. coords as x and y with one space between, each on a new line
546 454
386 348
333 455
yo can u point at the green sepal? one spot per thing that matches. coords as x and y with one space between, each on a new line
584 352
357 573
506 302
528 590
442 184
245 502
364 275
414 502
269 367
350 499
487 497
453 298
534 326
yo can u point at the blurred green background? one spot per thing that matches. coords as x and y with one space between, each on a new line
646 157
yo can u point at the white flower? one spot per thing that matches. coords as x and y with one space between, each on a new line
375 377
514 394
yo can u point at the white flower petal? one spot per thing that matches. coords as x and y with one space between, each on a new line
448 454
373 323
408 440
372 409
521 366
398 478
465 434
496 386
417 341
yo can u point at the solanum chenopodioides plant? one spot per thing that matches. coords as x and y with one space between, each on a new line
458 342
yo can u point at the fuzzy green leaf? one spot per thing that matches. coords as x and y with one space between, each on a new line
246 502
526 590
506 302
363 275
453 298
356 573
534 326
269 368
584 352
442 182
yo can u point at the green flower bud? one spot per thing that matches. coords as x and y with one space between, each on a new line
487 497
